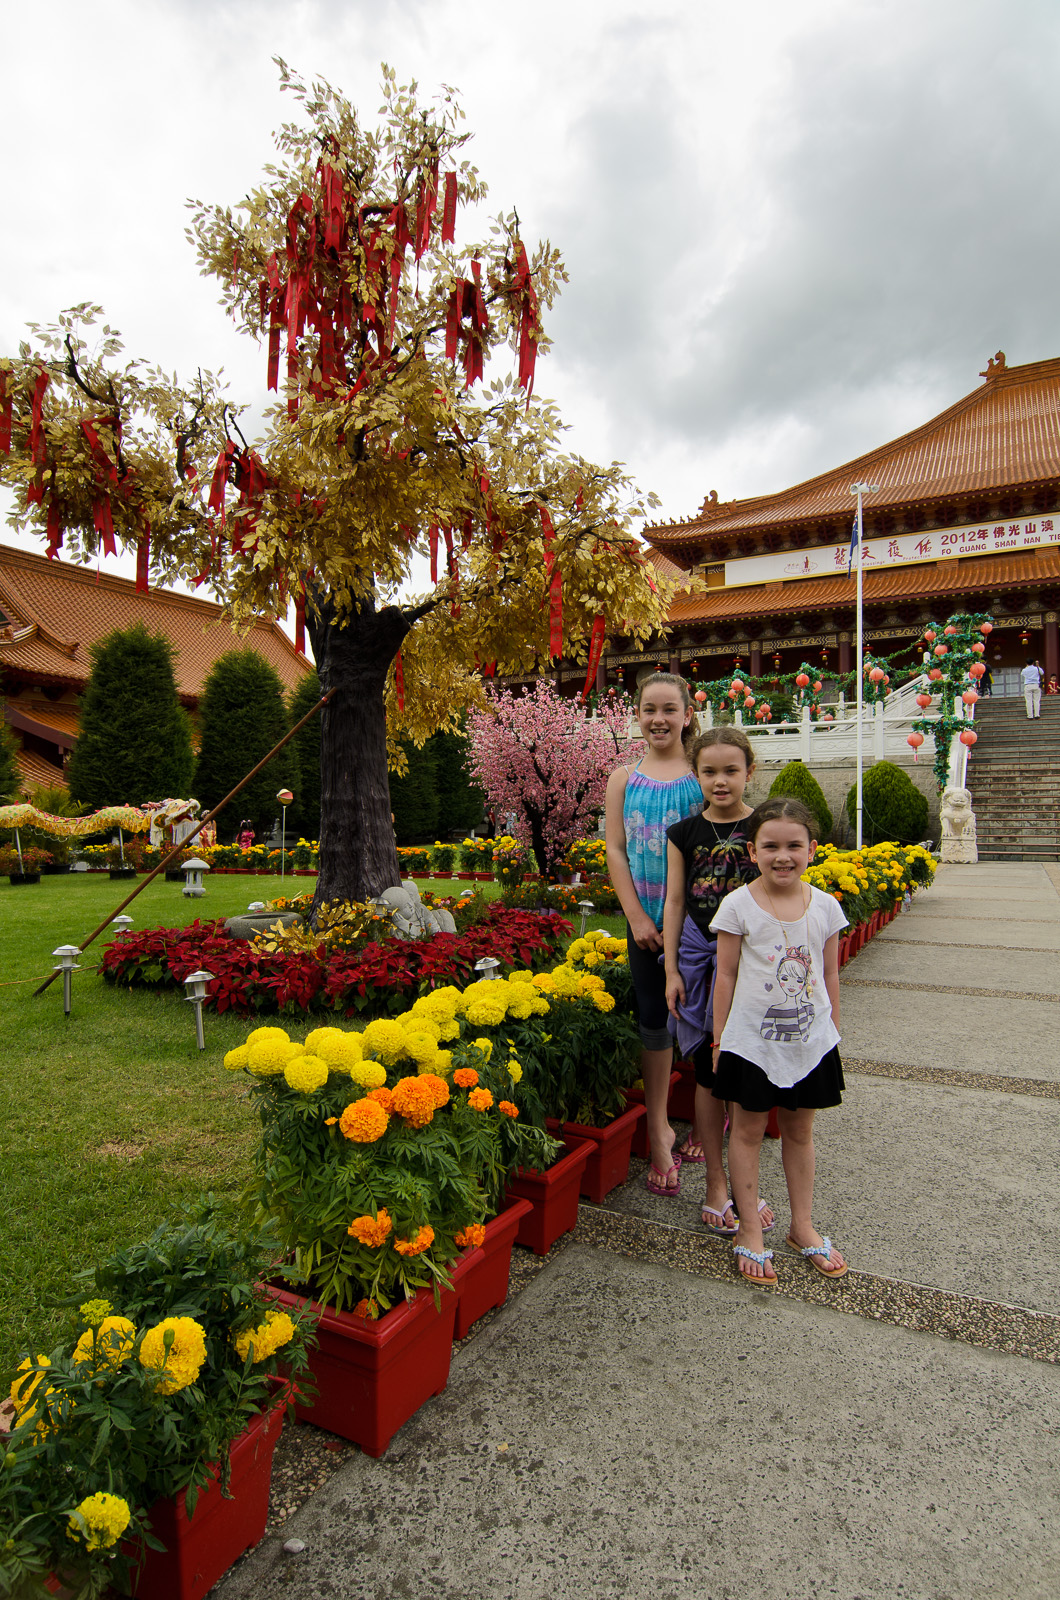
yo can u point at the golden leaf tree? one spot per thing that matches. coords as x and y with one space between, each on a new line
392 436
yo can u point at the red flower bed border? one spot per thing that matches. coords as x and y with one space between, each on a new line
383 977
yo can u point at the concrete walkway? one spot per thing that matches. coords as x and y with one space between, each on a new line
635 1422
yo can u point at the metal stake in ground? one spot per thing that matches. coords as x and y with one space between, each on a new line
284 796
170 860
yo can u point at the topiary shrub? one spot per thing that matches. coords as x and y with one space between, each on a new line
892 806
134 742
797 780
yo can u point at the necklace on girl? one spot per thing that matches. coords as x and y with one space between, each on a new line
772 907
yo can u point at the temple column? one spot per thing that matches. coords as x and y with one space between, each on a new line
1052 645
675 664
756 658
845 662
601 677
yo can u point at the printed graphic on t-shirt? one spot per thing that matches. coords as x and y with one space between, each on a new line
791 1012
714 871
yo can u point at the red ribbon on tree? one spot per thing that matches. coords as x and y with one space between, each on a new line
55 529
449 209
143 559
299 623
216 502
103 523
36 431
107 468
426 205
399 681
6 407
432 539
555 634
596 648
524 301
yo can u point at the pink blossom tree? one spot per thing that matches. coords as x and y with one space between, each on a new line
547 759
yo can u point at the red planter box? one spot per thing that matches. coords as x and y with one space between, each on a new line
635 1097
201 1548
373 1376
608 1165
553 1195
483 877
480 1277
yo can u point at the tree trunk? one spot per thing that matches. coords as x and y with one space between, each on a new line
358 854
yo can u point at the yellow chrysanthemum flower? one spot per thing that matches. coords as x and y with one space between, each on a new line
267 1057
306 1073
386 1040
237 1059
278 1035
422 1048
108 1345
100 1520
269 1336
182 1363
369 1074
420 1022
602 1000
483 1046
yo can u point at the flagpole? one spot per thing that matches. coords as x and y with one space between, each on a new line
860 489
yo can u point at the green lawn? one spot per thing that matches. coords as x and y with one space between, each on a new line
110 1116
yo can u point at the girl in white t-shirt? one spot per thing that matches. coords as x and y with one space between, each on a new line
776 1010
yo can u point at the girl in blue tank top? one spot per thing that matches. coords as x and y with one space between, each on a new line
642 802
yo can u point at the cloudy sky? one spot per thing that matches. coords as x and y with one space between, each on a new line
793 230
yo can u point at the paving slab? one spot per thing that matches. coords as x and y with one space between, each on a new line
937 1186
1015 933
1010 1038
893 962
625 1429
1013 905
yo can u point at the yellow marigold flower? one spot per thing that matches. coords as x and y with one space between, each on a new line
382 1097
438 1087
486 991
443 1003
368 1310
521 1008
363 1122
267 1057
420 1022
24 1389
545 982
372 1231
277 1035
415 1247
369 1074
521 975
483 1046
508 1107
480 1099
181 1364
539 1007
93 1311
447 1031
296 1048
340 1050
602 1000
100 1520
414 1100
263 1341
472 1235
481 1015
465 1077
590 983
443 1062
385 1040
108 1345
515 1071
593 960
577 949
237 1059
422 1048
306 1073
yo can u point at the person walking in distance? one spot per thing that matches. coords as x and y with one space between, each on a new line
1032 688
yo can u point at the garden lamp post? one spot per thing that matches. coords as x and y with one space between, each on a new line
284 796
584 906
68 954
195 983
487 967
123 923
193 884
256 907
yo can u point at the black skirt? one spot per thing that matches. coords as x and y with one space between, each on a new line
740 1080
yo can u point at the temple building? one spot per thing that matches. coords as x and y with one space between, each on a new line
966 517
52 612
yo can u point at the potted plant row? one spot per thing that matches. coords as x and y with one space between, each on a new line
140 1457
25 867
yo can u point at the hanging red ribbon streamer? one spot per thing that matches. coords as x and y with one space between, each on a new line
432 536
555 637
399 681
6 404
449 209
36 431
596 648
55 530
103 523
143 558
299 623
106 466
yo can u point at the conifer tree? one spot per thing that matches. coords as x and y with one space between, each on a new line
414 796
134 742
893 808
306 809
460 800
242 715
10 778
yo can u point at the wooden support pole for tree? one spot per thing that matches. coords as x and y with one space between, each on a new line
175 852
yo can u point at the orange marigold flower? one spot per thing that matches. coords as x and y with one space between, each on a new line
508 1107
415 1247
480 1099
473 1234
372 1231
414 1100
383 1097
368 1309
364 1121
465 1077
438 1087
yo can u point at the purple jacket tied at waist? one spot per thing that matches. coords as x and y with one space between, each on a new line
696 959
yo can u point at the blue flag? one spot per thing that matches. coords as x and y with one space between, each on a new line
853 545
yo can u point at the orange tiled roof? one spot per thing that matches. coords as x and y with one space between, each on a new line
56 611
977 574
1004 434
36 773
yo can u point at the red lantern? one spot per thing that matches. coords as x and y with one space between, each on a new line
748 701
969 697
986 627
951 629
936 672
695 666
1025 638
923 701
877 675
942 650
817 687
801 679
767 711
976 670
700 696
968 737
978 647
886 679
738 687
776 659
916 740
816 710
929 635
828 717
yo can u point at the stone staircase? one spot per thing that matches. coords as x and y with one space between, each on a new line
1014 776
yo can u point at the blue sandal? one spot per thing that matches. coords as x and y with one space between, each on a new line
810 1253
761 1256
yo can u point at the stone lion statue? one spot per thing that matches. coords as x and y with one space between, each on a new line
958 827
